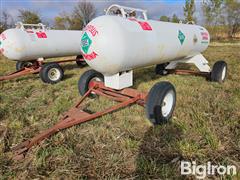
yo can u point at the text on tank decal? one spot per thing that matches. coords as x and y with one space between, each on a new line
91 56
3 37
205 37
91 29
86 42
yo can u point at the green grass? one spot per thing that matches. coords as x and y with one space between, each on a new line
205 126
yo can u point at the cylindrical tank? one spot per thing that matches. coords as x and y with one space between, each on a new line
112 44
31 44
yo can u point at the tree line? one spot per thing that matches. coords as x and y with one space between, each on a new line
81 15
220 16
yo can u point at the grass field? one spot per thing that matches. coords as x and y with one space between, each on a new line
122 145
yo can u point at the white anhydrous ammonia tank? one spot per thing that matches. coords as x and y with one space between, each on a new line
113 44
31 44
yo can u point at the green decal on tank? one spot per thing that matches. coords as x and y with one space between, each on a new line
181 37
86 42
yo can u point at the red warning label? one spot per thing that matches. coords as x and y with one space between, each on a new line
91 29
91 56
3 37
144 25
41 35
204 35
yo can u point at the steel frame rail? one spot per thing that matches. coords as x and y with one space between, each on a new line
77 115
35 68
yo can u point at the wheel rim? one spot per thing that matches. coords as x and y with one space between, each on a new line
97 79
28 64
167 104
224 73
54 74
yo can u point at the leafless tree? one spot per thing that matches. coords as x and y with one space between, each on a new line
233 17
82 14
85 11
6 21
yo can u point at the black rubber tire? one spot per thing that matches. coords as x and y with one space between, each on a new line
21 64
160 69
155 100
44 73
80 63
85 79
218 70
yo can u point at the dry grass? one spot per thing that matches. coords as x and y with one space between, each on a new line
205 127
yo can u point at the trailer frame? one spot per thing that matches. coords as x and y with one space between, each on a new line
34 69
77 115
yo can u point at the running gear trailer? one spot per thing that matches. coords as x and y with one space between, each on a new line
50 72
31 44
112 75
160 103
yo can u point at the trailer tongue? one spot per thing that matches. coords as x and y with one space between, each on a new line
37 67
77 115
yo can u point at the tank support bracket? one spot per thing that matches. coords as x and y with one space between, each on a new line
188 72
198 60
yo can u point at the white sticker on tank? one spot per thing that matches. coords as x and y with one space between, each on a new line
31 35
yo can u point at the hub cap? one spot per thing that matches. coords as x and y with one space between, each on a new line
167 104
28 64
54 74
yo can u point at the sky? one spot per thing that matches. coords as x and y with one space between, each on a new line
48 9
